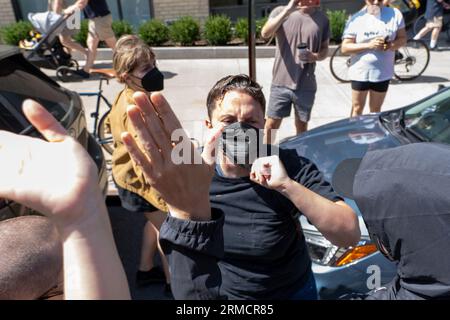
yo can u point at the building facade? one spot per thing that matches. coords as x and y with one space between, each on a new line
134 11
138 11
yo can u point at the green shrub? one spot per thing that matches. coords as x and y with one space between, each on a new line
81 36
337 18
259 25
154 32
218 30
184 31
14 32
122 27
241 28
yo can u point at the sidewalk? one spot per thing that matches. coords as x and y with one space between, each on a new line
189 81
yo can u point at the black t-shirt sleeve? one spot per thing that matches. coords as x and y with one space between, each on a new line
307 174
312 178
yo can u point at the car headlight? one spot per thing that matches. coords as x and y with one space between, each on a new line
324 253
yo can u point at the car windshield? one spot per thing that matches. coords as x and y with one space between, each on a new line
18 84
430 119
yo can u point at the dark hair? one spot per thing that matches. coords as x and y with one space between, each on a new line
240 82
31 257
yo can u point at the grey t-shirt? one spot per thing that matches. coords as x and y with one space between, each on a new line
288 70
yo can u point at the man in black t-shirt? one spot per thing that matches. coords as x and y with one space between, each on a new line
100 28
233 231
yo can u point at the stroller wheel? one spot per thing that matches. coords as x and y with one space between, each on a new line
64 74
74 64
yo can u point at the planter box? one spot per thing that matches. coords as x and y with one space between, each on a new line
167 53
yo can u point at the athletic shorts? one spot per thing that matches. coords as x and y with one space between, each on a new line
374 86
134 202
281 101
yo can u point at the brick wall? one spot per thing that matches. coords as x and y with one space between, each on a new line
6 12
173 9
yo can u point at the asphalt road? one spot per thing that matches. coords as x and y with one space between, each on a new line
127 229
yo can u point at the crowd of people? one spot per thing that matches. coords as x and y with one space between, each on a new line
227 229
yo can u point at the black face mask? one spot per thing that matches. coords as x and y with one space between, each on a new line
241 143
153 80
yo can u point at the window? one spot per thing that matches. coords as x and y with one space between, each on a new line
238 8
26 6
13 75
134 11
431 118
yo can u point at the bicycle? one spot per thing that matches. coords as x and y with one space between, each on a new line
411 61
422 21
101 131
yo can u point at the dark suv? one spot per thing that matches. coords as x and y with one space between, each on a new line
20 80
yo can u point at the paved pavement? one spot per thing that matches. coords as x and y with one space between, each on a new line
187 84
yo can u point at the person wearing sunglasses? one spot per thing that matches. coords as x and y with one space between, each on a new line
403 194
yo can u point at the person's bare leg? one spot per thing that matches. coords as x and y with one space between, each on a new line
111 42
148 249
300 126
92 43
269 130
376 100
68 42
358 102
435 37
422 33
157 218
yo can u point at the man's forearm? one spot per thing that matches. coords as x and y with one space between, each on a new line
323 53
193 249
338 223
92 267
273 24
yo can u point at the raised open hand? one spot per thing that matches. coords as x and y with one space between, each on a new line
168 159
55 177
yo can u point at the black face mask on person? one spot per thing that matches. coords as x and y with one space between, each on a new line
152 81
241 143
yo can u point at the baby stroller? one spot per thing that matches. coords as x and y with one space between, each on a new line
48 52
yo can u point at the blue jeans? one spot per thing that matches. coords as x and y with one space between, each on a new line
308 291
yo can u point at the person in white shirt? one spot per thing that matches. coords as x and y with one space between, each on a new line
371 36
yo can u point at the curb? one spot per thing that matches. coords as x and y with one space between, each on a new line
174 53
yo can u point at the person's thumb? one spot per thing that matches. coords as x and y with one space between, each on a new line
43 121
209 153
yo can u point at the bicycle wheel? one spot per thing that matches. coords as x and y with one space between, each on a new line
411 60
105 138
74 64
64 74
339 65
419 25
448 32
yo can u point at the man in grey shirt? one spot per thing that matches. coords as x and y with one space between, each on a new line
294 82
